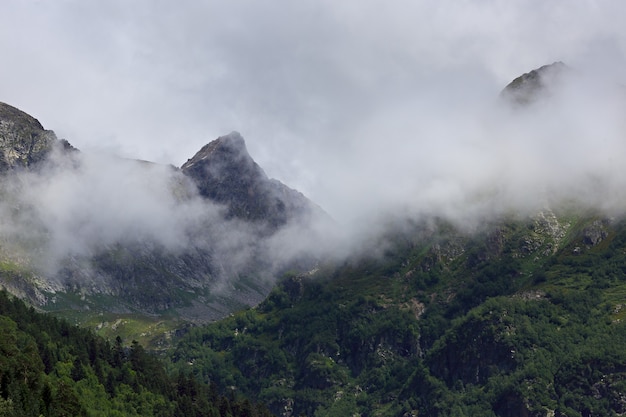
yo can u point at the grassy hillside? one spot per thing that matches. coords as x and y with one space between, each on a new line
522 317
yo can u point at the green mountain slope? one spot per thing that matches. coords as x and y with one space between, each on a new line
523 317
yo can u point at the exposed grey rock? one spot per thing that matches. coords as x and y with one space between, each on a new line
225 173
595 233
527 88
23 141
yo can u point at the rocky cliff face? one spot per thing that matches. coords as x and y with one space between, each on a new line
23 141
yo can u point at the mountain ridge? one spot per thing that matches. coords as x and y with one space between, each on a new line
219 194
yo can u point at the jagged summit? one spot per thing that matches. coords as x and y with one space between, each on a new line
23 140
10 113
232 143
224 172
221 157
526 88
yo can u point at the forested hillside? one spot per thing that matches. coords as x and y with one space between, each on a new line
51 368
520 318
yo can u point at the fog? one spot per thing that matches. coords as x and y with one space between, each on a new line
372 111
62 215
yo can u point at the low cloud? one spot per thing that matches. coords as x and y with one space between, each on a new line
487 157
466 163
80 204
76 207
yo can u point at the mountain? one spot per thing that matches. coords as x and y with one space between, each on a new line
108 236
528 87
23 141
522 318
521 314
225 173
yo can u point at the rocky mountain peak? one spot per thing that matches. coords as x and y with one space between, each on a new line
17 116
23 140
525 89
232 143
224 172
225 156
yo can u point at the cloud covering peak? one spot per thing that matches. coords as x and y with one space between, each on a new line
363 108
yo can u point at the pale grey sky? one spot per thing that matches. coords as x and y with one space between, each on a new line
351 102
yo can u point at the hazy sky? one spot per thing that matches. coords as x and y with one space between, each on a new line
351 102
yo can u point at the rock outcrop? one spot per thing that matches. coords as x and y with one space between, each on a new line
225 173
23 141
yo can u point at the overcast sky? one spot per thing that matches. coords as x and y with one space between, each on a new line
348 101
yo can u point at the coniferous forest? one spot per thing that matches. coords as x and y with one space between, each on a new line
49 367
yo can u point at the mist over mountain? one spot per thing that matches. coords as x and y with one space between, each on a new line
153 236
552 138
472 261
532 86
495 290
216 231
479 272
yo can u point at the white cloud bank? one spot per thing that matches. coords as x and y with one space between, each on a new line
366 107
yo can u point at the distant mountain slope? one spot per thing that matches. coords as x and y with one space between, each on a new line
87 232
